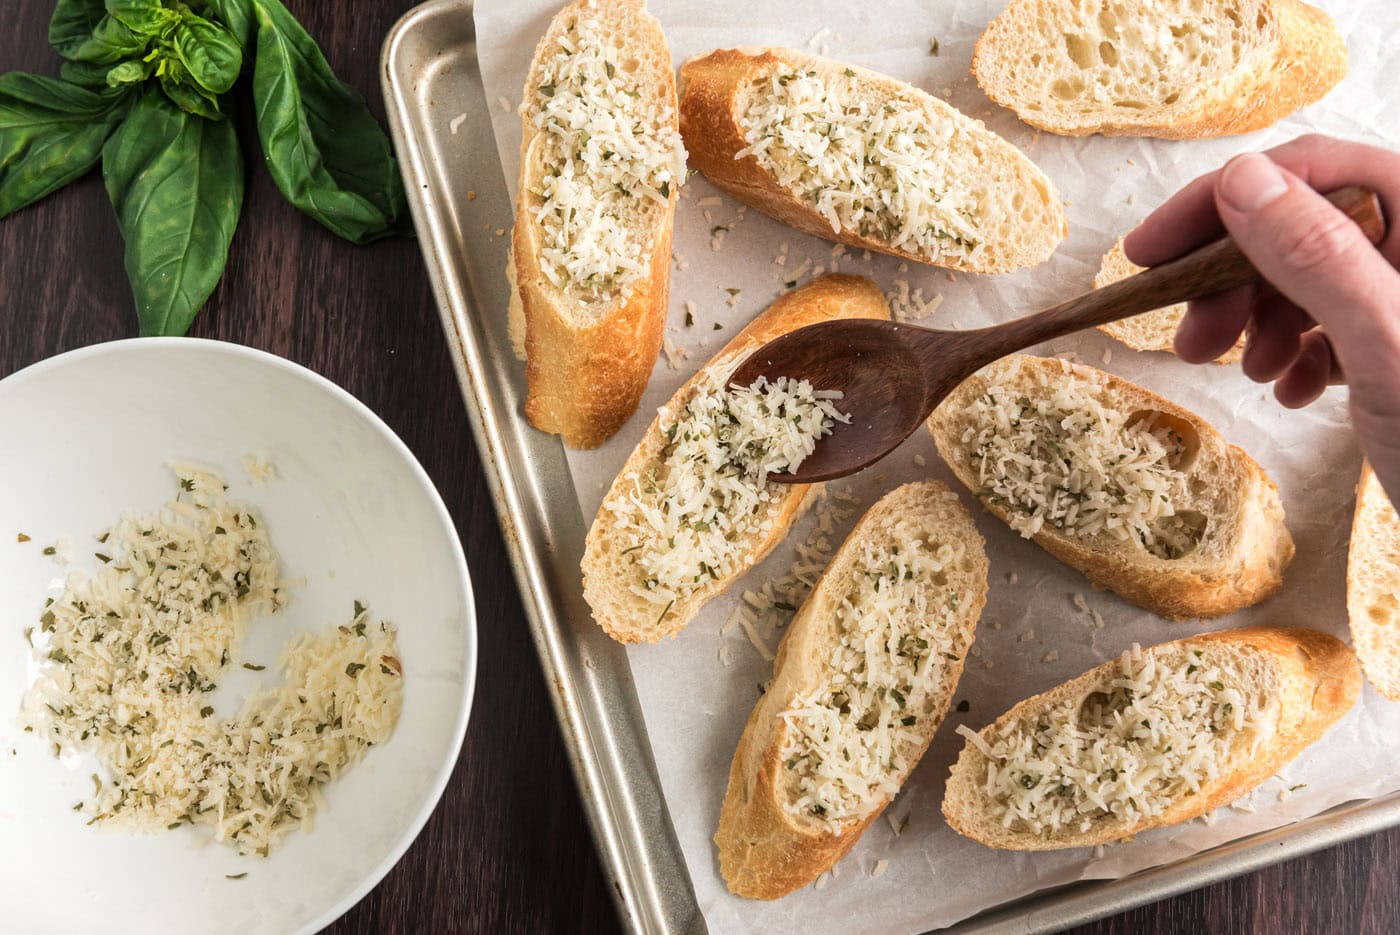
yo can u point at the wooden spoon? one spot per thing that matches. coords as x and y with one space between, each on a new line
893 375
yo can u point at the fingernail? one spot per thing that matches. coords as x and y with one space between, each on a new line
1251 181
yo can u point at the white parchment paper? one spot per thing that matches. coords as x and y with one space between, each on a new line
697 689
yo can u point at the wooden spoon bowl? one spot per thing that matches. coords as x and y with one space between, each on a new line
893 375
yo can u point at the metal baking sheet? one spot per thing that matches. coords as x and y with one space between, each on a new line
440 120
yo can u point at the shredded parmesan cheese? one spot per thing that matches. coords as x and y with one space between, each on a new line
875 169
139 645
686 520
1162 725
611 157
849 743
1062 458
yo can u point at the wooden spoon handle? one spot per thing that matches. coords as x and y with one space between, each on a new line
1213 268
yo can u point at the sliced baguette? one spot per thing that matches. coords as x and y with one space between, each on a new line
610 563
1178 69
1152 331
1242 546
1296 682
769 845
962 183
588 355
1373 585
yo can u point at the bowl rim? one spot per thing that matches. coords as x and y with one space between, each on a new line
258 358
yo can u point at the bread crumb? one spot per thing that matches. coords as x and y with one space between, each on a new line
881 866
1107 356
1098 619
1131 163
1132 198
1052 656
1080 602
904 267
822 881
500 232
975 651
986 663
1243 807
471 194
1098 851
709 201
920 461
1012 577
674 355
1026 637
950 277
897 824
996 625
456 122
503 104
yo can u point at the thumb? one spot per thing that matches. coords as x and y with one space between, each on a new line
1316 257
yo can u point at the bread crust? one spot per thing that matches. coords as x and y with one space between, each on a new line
1150 331
585 381
1373 584
765 852
709 121
1254 544
1307 62
825 299
1319 682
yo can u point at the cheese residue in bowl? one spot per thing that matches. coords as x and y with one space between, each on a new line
137 647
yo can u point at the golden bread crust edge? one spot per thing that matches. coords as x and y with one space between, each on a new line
584 383
1309 61
710 85
1320 681
827 298
763 853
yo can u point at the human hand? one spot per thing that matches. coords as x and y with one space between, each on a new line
1329 309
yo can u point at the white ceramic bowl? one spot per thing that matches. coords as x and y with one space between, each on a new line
86 436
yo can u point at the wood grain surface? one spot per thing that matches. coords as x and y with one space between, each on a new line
507 849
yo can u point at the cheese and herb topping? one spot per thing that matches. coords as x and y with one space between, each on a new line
139 646
1164 723
691 515
870 164
1060 456
611 156
849 744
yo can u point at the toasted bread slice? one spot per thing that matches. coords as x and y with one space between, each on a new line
860 158
619 549
862 681
1178 69
1142 496
1155 738
593 217
1151 331
1373 585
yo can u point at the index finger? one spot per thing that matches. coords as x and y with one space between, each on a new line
1188 219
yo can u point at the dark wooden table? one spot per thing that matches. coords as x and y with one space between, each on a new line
507 849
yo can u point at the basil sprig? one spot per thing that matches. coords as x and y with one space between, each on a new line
145 90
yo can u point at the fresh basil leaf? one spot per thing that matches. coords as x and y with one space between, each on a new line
129 72
323 148
237 18
209 52
110 42
85 73
176 182
51 132
144 17
72 24
190 97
